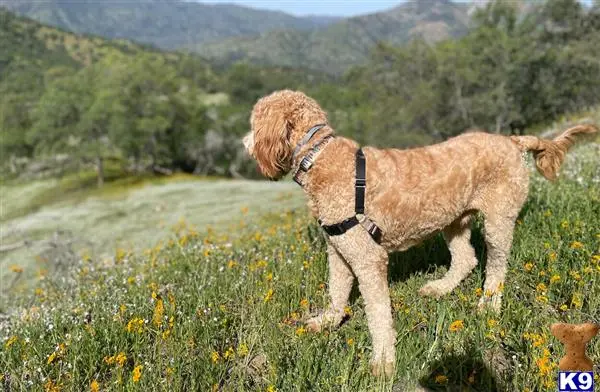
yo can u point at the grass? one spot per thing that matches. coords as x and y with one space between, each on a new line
63 220
223 310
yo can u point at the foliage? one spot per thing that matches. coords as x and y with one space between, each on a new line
163 111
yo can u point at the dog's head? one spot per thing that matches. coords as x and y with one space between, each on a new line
278 122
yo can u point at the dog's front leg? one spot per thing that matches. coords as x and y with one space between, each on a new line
340 285
369 262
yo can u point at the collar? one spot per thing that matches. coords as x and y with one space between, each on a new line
309 159
311 132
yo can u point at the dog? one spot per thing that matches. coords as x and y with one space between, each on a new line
410 195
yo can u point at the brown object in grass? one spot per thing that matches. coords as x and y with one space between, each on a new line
575 338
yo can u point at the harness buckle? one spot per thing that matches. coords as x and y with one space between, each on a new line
361 182
306 162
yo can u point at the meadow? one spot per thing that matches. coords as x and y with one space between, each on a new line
220 308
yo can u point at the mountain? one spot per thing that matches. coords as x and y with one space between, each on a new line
347 42
167 24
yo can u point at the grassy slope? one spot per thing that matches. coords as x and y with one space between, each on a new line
130 213
223 313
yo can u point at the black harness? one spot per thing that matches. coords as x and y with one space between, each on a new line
360 185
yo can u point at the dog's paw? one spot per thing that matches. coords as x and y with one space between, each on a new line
380 368
490 302
324 320
433 289
315 324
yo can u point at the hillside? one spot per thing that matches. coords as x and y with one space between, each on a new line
348 42
167 24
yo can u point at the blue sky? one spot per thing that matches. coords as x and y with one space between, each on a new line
323 7
315 7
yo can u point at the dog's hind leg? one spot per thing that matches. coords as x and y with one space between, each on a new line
458 238
340 285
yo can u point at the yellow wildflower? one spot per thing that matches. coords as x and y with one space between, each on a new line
492 323
120 359
229 353
170 371
348 310
541 287
269 277
214 357
52 357
576 245
242 350
478 291
554 279
231 264
268 295
441 379
16 269
577 301
544 366
94 386
575 275
456 326
563 307
300 331
552 256
137 373
271 388
304 303
50 386
136 324
159 312
528 266
542 298
350 341
12 340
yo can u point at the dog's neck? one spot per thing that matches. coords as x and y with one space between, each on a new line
308 150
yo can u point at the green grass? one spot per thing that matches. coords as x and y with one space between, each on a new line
64 219
223 310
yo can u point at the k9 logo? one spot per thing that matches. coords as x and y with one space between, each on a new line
576 382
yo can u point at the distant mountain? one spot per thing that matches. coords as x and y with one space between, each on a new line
168 24
347 42
226 33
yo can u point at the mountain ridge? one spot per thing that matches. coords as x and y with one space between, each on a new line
167 24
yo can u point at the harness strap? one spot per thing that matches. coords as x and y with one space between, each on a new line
360 185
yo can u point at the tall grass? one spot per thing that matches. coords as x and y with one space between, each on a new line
218 312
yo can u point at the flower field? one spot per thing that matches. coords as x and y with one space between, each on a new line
207 310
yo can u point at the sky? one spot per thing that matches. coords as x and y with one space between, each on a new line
315 7
323 7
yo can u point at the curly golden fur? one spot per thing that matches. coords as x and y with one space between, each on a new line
411 194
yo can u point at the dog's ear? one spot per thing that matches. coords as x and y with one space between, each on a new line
272 128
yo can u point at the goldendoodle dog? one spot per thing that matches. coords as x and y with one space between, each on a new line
374 201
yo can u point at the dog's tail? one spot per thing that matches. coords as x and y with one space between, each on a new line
550 154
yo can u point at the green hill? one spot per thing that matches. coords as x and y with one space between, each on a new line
167 24
348 42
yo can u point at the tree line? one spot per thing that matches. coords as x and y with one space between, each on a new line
159 113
